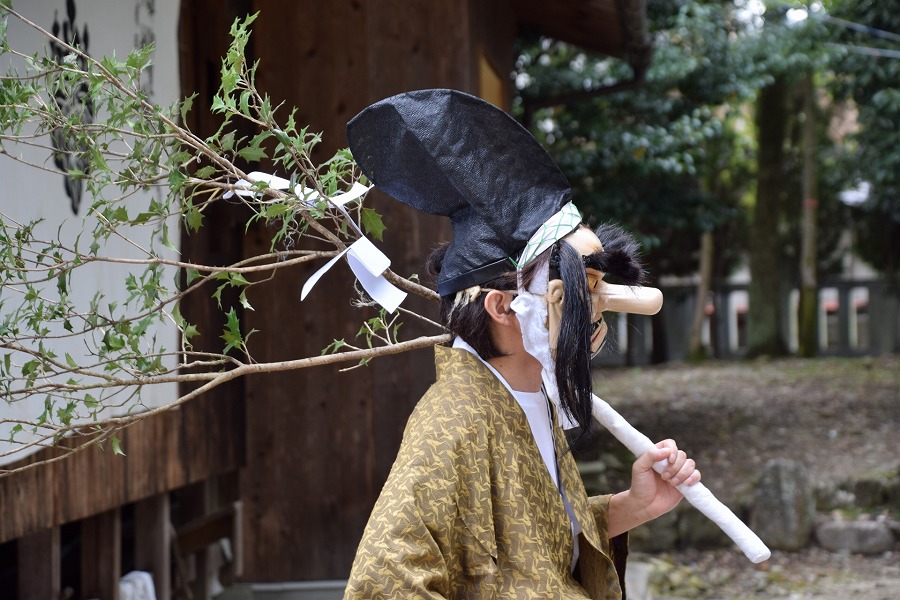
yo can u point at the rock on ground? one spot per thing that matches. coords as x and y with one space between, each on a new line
856 537
784 509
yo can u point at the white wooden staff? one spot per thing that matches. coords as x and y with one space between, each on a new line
698 495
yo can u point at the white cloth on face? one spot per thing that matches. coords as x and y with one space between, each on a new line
530 307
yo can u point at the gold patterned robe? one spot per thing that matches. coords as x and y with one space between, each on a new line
469 509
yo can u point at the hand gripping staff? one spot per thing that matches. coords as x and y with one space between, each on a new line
648 301
698 495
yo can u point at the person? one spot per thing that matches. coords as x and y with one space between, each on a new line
484 499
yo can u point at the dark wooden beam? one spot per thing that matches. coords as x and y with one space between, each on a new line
39 565
101 555
152 541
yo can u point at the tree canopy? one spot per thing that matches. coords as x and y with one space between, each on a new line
866 74
680 155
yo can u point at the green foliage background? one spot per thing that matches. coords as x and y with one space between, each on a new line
676 156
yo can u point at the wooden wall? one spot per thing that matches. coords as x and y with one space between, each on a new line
319 442
162 453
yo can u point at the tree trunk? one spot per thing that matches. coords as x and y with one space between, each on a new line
695 351
764 326
809 292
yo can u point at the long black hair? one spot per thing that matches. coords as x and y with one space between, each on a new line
573 346
619 258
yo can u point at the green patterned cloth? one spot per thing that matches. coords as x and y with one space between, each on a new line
554 229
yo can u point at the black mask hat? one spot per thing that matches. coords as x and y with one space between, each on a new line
449 153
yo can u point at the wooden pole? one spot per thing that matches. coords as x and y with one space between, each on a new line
101 555
152 540
39 565
695 350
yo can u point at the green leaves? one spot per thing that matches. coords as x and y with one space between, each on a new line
116 445
193 217
372 223
186 106
334 347
232 333
4 43
231 280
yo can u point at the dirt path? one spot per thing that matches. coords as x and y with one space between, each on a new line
839 417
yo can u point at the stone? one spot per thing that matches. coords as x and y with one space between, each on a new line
855 537
783 512
830 496
870 492
892 492
658 535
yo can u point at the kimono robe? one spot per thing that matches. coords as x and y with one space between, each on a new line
469 509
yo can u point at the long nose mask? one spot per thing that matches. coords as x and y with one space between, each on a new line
605 296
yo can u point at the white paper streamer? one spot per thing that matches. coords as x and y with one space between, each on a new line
314 278
368 263
367 266
698 495
309 196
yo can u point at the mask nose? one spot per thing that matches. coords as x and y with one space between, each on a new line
638 300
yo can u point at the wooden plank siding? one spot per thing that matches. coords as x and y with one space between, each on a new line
163 453
320 443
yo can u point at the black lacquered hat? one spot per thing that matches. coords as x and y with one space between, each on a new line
449 153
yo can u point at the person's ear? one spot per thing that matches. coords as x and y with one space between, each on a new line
554 312
496 304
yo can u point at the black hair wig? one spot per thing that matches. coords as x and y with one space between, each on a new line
573 347
620 259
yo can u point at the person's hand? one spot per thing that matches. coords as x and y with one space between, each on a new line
652 494
657 493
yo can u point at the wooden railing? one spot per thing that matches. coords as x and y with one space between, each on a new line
856 318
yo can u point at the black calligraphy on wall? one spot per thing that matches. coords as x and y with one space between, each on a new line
74 102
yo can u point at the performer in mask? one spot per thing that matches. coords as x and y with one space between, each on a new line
484 499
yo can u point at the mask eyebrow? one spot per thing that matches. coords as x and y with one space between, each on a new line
620 256
619 263
595 261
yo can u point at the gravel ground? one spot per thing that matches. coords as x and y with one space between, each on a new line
813 573
839 417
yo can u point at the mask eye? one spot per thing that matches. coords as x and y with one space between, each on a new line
593 279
